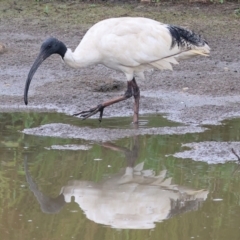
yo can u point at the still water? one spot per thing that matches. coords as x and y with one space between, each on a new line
132 188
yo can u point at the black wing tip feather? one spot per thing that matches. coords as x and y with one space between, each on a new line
185 38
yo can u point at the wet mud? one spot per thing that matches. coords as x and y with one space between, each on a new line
210 152
104 134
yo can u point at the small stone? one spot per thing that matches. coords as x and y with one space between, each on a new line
2 48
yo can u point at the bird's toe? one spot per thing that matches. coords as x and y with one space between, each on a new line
92 111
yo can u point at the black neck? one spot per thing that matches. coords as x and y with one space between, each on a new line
62 49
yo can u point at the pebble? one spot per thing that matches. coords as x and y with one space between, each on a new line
2 48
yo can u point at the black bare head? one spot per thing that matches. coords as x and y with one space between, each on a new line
49 47
53 46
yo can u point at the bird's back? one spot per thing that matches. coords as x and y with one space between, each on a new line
135 44
126 40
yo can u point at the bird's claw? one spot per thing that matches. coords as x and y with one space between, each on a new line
91 112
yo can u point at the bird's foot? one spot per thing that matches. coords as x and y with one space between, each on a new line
91 112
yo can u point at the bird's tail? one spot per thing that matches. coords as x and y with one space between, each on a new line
166 63
188 42
184 38
185 44
194 51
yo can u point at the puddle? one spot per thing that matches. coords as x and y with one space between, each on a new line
132 187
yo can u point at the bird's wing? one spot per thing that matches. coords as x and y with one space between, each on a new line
136 41
126 41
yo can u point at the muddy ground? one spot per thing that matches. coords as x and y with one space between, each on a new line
198 91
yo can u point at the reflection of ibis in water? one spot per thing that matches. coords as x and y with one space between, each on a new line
127 44
133 198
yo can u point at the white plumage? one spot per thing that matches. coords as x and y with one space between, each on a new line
130 45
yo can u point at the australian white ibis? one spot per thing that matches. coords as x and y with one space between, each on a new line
131 45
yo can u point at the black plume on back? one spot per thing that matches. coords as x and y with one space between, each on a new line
185 38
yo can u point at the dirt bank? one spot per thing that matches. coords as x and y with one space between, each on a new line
200 90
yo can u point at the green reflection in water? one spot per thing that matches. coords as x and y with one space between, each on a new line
21 216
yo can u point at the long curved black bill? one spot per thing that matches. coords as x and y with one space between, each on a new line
41 57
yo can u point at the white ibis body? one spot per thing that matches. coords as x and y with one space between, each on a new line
130 45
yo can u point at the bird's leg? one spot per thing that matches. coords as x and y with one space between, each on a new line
100 107
136 94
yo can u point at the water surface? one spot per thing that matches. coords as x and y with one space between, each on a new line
133 188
